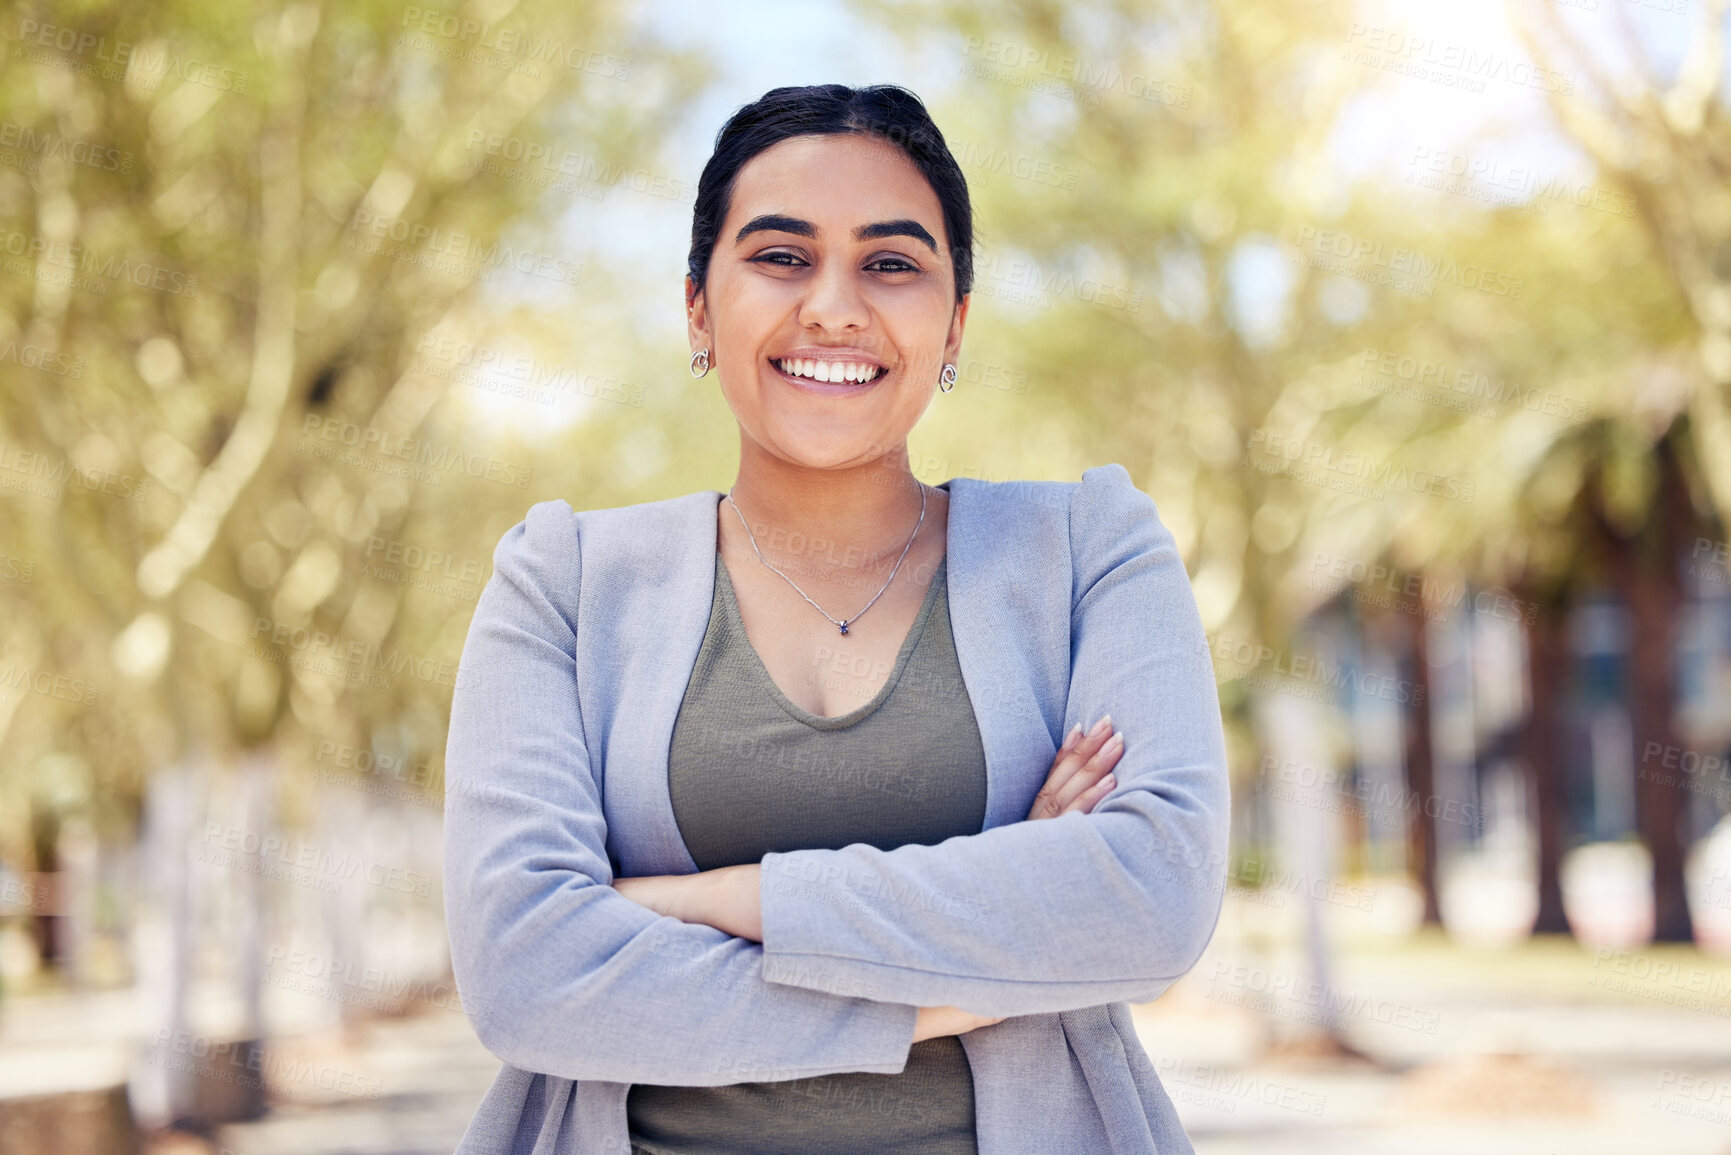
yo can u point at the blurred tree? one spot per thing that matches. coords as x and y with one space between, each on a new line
236 225
226 231
1184 153
1667 140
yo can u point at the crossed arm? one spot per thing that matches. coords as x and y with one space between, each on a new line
730 898
819 961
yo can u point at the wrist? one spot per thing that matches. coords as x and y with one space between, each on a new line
730 901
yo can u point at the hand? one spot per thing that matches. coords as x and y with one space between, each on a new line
931 1022
1080 772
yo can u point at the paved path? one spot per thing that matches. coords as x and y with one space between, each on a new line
1544 1047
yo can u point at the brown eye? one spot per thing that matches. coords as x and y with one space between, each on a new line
893 265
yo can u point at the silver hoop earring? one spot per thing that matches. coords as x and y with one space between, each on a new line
700 363
947 379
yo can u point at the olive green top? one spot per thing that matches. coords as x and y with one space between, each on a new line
750 772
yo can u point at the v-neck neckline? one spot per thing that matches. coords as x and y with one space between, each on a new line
730 604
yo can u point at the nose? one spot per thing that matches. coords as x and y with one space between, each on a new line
834 301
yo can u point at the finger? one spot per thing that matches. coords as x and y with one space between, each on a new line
1070 761
1084 747
1089 774
1089 798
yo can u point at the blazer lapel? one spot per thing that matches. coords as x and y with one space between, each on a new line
1010 633
646 589
647 584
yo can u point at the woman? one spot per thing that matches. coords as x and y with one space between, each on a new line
772 821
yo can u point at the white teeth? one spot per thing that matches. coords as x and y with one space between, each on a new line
829 371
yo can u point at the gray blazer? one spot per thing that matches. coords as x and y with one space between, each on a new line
1068 600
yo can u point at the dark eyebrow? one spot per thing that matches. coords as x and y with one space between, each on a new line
776 222
902 228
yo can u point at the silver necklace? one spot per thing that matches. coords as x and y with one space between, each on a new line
843 625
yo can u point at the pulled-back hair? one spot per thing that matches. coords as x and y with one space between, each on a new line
883 110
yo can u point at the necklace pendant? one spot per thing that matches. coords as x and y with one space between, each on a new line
844 627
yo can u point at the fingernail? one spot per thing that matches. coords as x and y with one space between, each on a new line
1109 781
1101 726
1114 741
1070 738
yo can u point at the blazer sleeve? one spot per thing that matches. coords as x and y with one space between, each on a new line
1062 913
559 972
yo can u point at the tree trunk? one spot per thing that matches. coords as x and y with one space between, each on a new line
1541 750
1659 798
1420 773
1652 588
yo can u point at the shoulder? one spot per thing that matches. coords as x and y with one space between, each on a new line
1106 505
547 546
1115 529
1103 507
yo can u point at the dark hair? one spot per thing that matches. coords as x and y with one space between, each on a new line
884 110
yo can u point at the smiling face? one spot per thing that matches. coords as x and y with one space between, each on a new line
831 304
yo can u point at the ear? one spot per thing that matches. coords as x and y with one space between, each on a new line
697 319
953 344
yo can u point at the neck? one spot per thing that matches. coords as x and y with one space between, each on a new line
870 508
